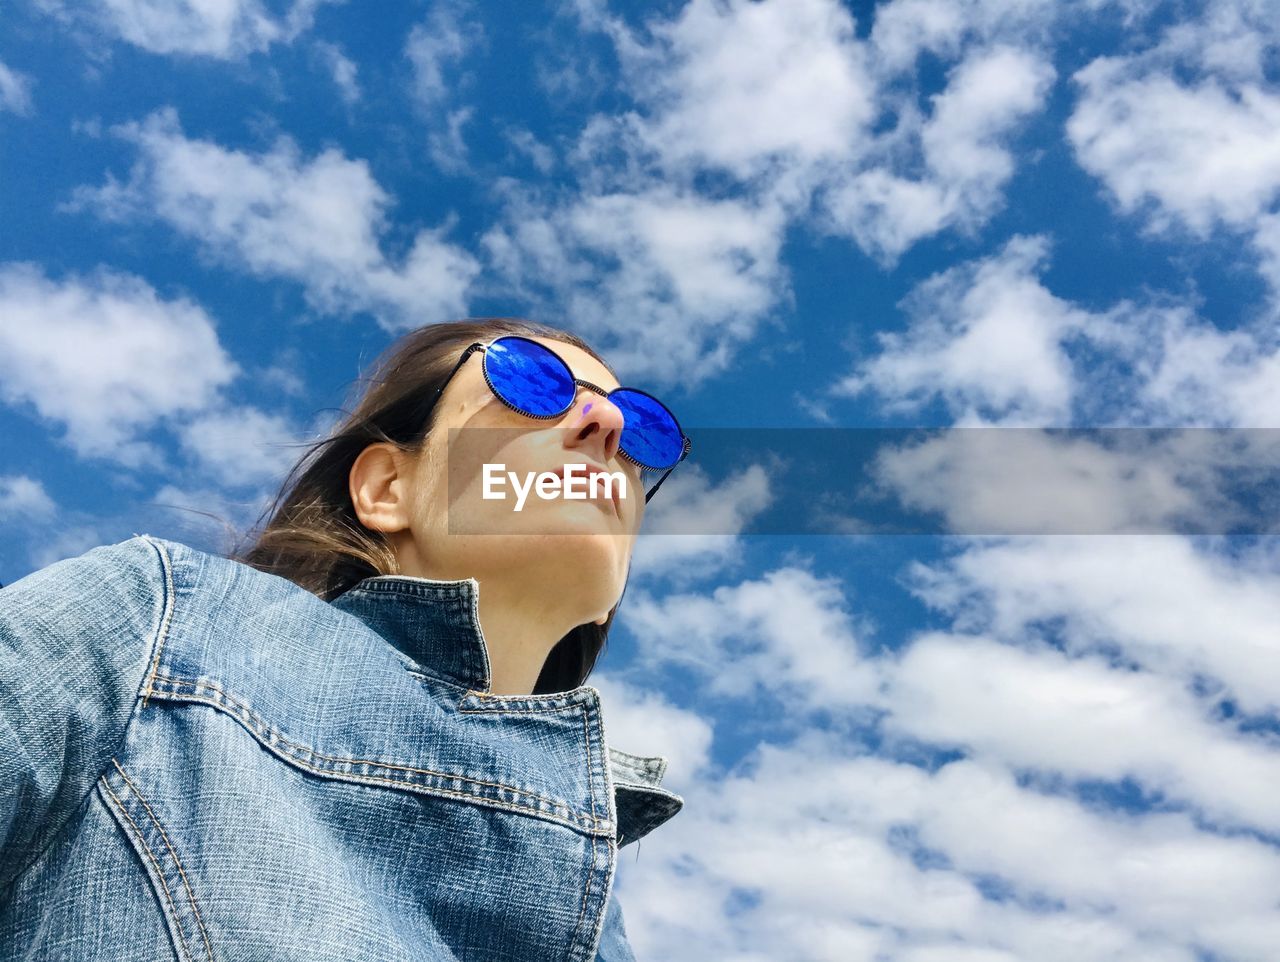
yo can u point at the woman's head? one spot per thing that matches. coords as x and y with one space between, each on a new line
394 489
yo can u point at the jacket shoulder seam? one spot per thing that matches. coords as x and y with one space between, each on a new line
166 617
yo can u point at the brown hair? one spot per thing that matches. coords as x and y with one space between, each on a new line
311 534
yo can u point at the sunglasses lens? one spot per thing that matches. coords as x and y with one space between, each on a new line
529 377
650 433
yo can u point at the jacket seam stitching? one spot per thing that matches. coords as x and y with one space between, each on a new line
166 620
499 710
164 885
611 877
269 736
593 943
586 895
591 775
186 883
267 728
454 592
414 670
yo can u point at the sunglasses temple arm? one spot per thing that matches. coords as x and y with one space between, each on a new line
659 484
683 454
462 360
472 349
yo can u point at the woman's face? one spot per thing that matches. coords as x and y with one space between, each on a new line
578 547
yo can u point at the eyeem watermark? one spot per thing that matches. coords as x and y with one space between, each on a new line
576 485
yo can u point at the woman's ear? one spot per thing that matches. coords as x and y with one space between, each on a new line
379 486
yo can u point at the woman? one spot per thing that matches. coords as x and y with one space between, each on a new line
367 734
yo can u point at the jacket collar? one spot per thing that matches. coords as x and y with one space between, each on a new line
642 804
435 623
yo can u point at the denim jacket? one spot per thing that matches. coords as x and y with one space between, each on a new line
199 761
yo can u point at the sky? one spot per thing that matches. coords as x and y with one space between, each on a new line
783 214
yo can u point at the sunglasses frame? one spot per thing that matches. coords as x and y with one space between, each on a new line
481 347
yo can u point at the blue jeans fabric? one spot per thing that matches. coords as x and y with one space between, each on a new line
199 761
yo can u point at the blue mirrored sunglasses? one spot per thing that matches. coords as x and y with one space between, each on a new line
533 379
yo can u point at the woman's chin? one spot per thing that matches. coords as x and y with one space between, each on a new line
568 541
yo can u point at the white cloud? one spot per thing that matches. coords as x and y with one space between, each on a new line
643 722
814 849
446 145
15 90
222 29
1266 241
990 342
64 542
242 446
986 338
343 69
886 213
963 147
1026 481
23 498
207 515
988 93
1211 376
435 49
278 214
1182 133
666 281
1039 709
773 104
692 525
1167 607
1202 154
783 95
1157 875
106 356
541 155
1231 38
282 372
738 85
742 640
860 843
904 29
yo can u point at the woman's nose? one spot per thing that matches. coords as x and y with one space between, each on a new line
597 427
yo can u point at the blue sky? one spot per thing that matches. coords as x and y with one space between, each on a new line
781 213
